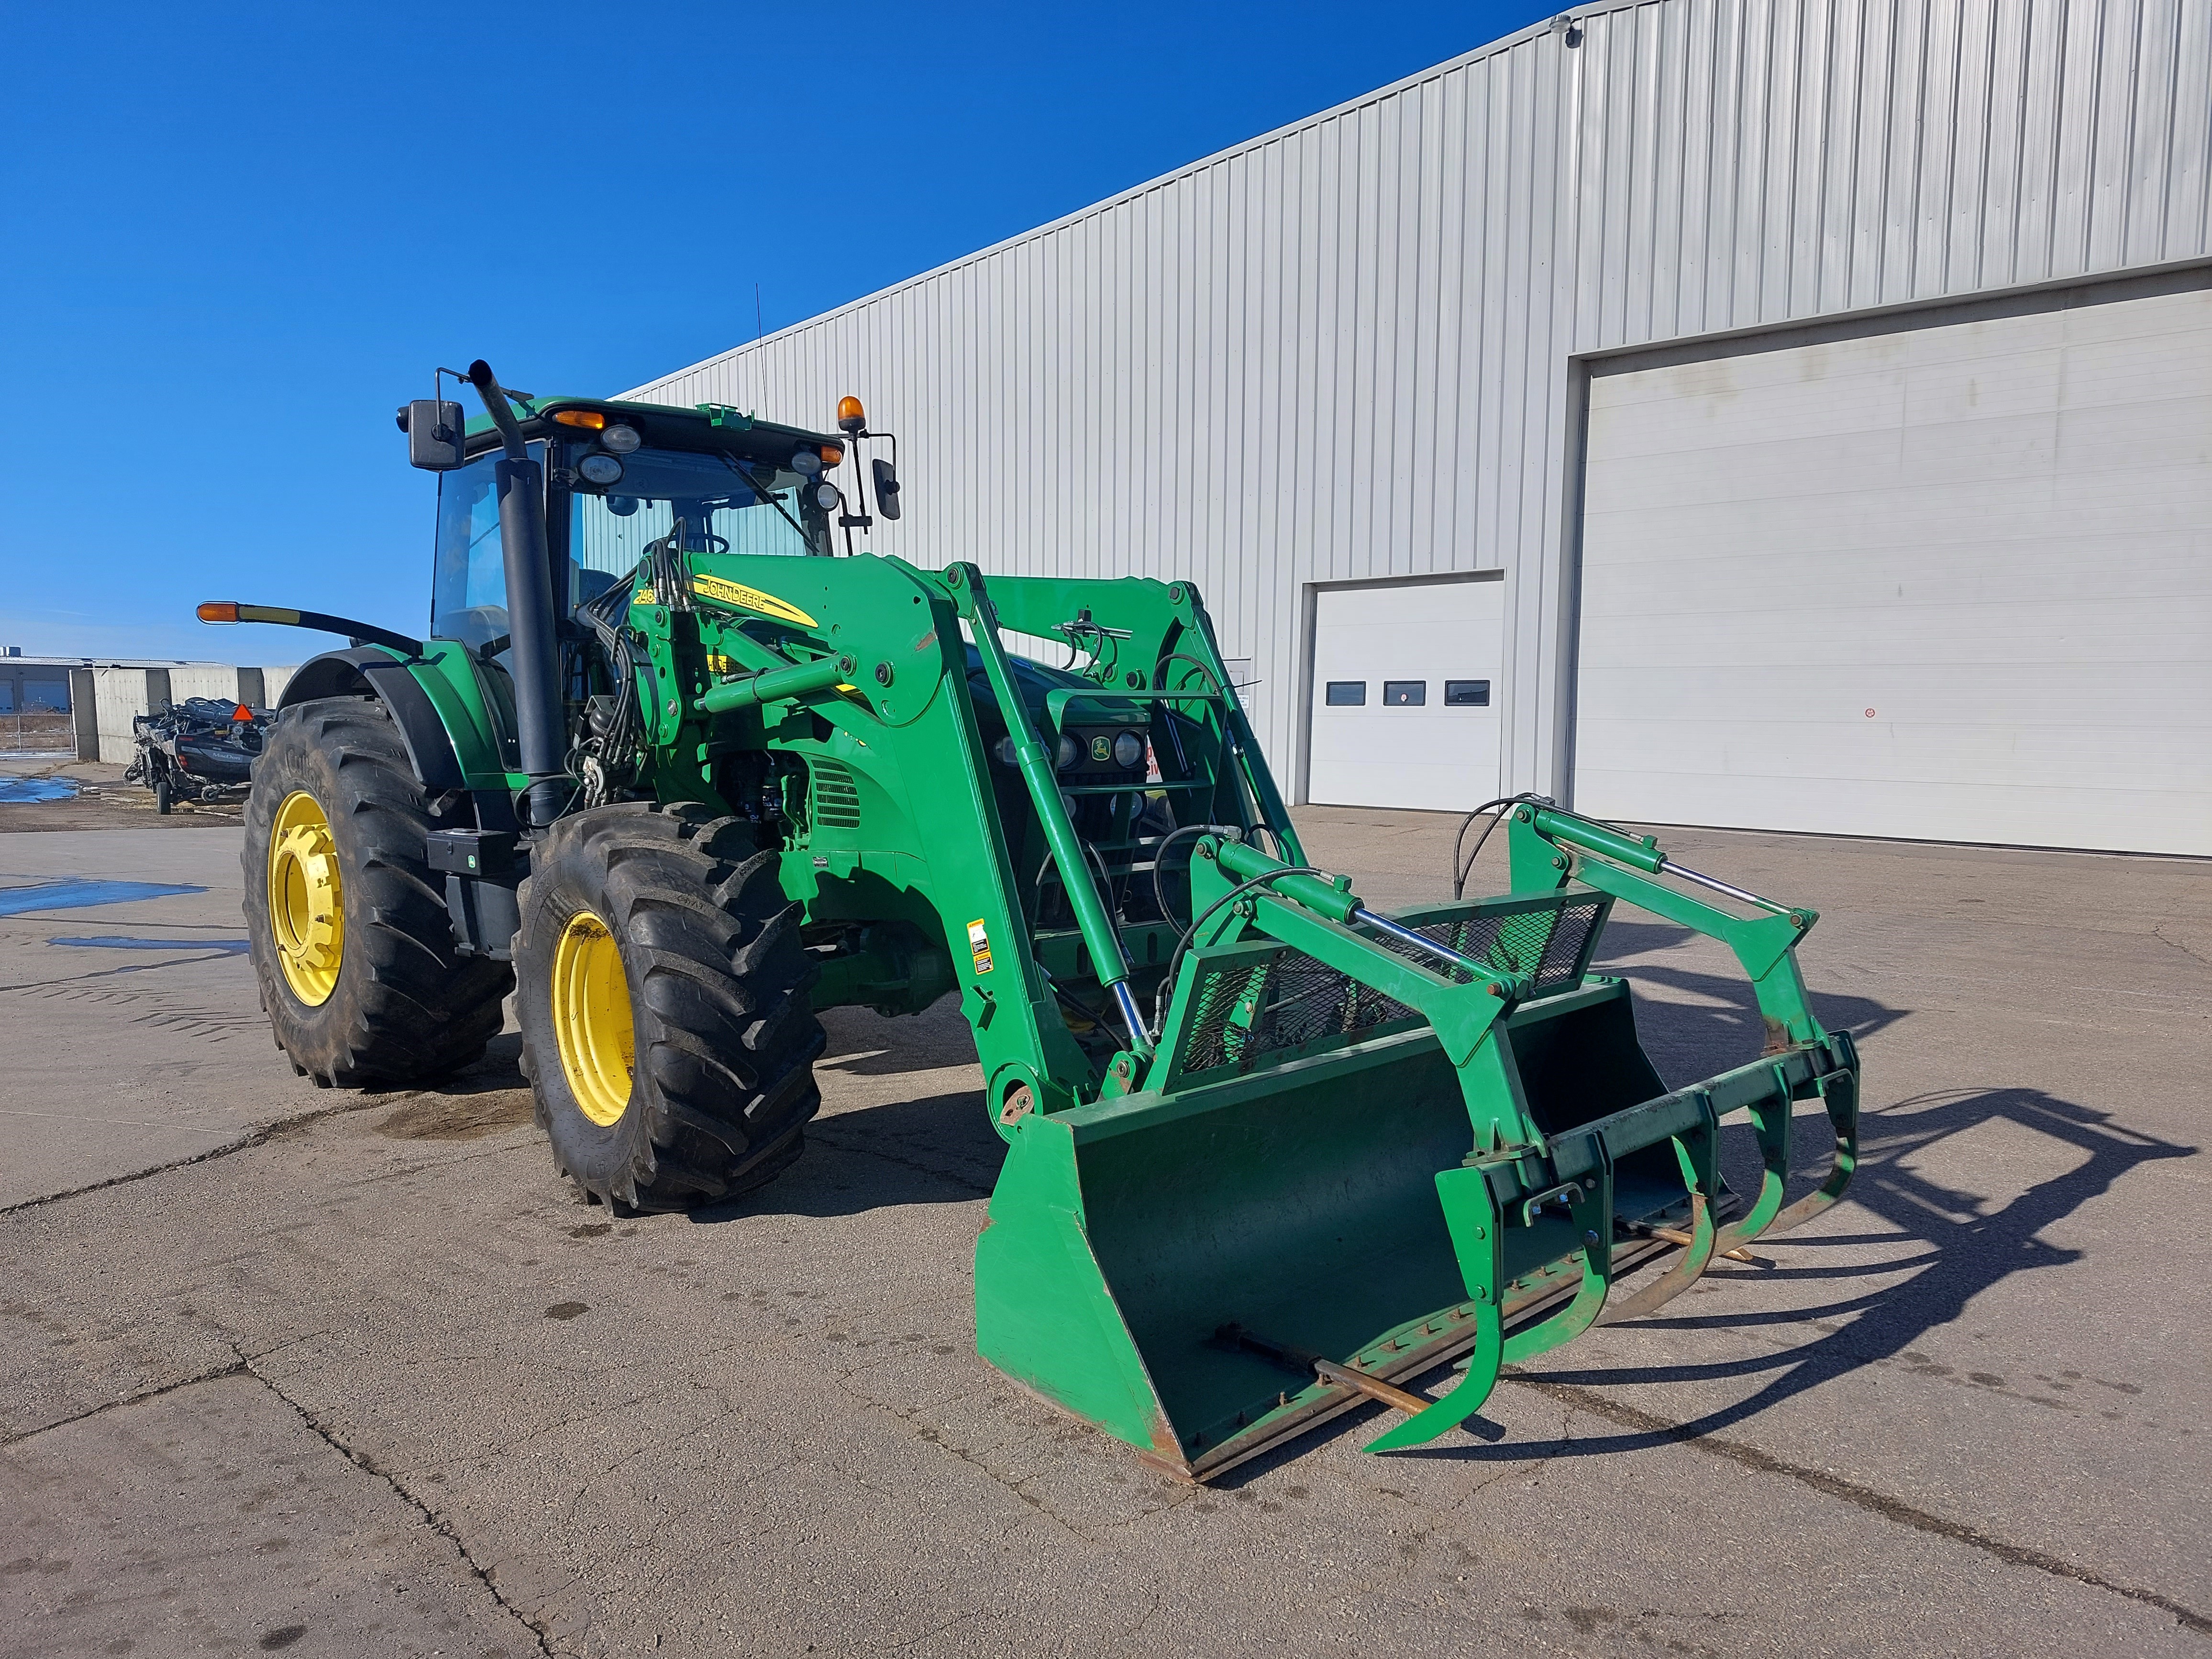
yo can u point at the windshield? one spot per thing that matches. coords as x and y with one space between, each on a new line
726 505
761 509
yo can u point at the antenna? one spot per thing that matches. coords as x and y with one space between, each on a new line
760 333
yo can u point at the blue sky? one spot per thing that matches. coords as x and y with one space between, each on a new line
234 238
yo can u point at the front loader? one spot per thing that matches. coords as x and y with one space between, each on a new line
682 769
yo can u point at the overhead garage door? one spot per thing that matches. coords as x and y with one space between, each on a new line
1950 583
1407 689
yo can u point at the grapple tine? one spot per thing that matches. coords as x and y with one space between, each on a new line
1698 1157
1473 1219
1840 1090
1593 1213
1770 1120
1696 1256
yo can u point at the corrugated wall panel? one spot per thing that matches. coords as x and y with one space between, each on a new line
1344 349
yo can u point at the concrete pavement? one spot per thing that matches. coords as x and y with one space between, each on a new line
1963 1412
137 1040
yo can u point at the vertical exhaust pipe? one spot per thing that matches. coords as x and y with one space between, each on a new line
533 646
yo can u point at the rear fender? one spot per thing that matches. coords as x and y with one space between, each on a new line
448 741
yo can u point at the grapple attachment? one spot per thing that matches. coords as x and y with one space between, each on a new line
1368 1144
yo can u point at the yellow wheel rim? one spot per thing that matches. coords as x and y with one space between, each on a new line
591 1019
306 899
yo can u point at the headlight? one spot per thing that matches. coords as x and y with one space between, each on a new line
1004 751
600 469
1128 750
826 496
621 439
1068 753
806 463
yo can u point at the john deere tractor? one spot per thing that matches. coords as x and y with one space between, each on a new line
681 768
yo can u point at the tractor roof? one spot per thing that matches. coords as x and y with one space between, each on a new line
668 426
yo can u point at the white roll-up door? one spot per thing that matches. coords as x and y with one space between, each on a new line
1409 685
1950 583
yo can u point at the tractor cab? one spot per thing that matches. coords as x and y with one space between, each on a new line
620 476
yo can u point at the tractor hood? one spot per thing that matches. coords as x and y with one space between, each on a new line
1093 706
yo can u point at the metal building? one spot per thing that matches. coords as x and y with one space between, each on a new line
1791 414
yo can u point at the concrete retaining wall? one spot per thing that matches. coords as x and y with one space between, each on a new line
84 717
118 693
106 699
215 679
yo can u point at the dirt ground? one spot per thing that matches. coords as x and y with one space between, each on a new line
102 801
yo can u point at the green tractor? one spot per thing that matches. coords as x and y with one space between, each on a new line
680 767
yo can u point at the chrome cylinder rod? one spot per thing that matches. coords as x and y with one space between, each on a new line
1467 965
1719 886
1127 1003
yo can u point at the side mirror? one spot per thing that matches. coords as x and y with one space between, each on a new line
887 489
434 431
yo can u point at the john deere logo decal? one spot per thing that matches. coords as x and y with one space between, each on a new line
1101 749
750 599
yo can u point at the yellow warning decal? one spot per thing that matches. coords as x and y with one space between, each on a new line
979 945
643 596
750 599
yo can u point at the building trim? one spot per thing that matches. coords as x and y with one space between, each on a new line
1946 311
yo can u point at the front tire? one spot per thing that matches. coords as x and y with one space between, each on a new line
666 1029
346 924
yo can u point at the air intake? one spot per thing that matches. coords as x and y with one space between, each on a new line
836 800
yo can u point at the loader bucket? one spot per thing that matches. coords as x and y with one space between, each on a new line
1343 1169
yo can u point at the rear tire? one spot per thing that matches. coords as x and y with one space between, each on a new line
697 1081
401 1004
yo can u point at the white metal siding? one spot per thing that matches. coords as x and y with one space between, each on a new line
1951 583
1343 350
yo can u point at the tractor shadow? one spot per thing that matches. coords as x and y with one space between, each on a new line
1706 1023
1953 1243
936 1149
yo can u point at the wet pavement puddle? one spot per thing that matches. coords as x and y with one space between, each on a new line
17 791
122 942
77 895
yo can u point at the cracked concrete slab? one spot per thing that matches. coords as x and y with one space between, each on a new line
212 1518
1938 1423
118 1058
